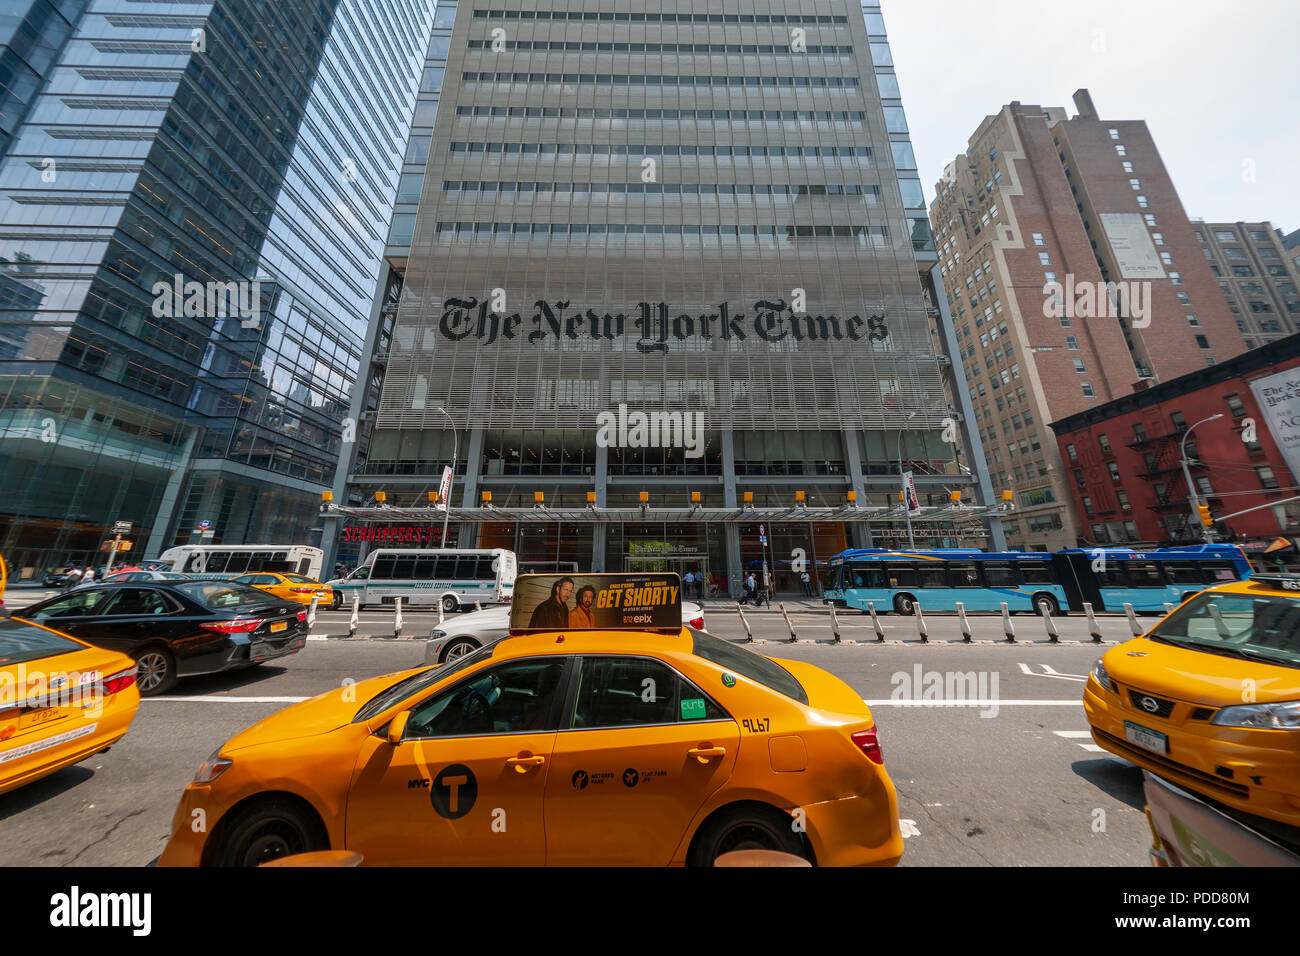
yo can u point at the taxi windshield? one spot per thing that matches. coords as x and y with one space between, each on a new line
418 682
1250 626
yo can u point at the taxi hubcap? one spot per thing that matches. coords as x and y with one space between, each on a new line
153 667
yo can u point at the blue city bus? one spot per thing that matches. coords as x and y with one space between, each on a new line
941 578
1108 578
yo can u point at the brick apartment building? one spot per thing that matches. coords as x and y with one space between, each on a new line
1257 276
1124 457
1040 200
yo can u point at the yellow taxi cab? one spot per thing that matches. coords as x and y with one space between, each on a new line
290 587
61 701
1209 698
575 746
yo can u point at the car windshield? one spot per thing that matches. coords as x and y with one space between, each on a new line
418 682
1253 626
219 595
762 670
20 641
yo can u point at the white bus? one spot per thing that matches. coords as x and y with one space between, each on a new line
232 560
448 577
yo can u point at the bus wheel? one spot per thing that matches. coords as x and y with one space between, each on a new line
449 604
904 604
1042 600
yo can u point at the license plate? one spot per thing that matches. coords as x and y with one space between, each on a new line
1145 738
279 626
41 715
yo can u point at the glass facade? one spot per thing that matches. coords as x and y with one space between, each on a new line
195 203
708 214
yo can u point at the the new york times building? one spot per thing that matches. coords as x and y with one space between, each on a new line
665 264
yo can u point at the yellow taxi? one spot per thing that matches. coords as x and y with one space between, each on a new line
290 587
61 701
557 747
1209 698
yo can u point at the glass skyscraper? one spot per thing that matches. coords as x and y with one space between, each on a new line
249 151
707 210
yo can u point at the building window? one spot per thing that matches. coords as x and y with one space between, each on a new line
1122 497
1175 278
1038 239
1193 321
1104 442
1202 342
1120 150
1072 343
1044 259
1087 504
1179 421
1158 238
1142 202
1136 184
1235 405
1087 390
1139 432
1114 471
1072 452
1266 476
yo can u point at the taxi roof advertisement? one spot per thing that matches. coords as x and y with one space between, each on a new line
553 602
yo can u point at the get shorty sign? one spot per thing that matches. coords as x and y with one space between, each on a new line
557 602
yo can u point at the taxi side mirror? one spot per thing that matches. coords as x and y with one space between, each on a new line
397 727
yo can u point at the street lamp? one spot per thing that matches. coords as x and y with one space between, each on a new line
1187 473
455 454
902 481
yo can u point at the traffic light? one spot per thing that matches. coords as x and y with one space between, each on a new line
1205 515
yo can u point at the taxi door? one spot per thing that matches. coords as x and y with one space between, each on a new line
643 750
465 785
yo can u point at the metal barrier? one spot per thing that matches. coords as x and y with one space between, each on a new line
1093 627
788 625
311 612
1133 624
1052 634
356 616
920 623
478 605
397 617
835 625
875 622
1008 628
965 624
1169 608
749 635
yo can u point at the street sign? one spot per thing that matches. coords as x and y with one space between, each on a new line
121 527
762 539
205 524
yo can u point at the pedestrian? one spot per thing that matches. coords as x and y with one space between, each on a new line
71 577
688 579
699 585
807 584
751 589
88 575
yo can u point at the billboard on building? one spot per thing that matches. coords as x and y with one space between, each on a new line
1130 240
1278 396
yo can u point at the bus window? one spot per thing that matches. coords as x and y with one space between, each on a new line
304 566
466 567
1036 572
257 561
403 566
999 574
932 576
1216 572
902 575
1183 572
425 566
1112 576
1145 574
831 577
238 562
963 576
383 567
866 576
446 567
485 571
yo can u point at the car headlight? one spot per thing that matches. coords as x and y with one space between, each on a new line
213 767
1099 672
437 635
1280 716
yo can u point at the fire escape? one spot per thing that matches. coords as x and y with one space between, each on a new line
1163 475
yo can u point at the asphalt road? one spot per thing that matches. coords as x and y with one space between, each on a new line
1005 776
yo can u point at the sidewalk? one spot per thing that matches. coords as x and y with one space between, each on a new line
792 602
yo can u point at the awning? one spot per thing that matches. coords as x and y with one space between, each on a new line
592 514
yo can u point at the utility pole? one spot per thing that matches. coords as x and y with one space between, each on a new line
1206 533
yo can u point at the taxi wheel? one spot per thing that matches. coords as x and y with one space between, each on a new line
747 827
156 671
269 829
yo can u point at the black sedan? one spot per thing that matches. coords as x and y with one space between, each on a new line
178 629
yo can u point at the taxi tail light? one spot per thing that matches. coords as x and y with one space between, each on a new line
697 623
302 590
120 681
243 625
302 616
869 744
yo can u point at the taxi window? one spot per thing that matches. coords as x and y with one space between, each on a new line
298 578
1239 625
20 642
636 692
757 668
517 697
416 683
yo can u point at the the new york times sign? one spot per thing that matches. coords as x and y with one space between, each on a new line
469 319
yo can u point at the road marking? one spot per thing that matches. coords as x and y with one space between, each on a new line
972 703
1092 748
1072 734
213 699
1048 672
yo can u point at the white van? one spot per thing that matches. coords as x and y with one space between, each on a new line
427 578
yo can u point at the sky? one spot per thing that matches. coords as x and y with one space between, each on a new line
1216 82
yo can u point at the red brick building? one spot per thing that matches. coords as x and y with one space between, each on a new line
1123 458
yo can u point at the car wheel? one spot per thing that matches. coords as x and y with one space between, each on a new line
449 604
337 602
746 827
458 647
904 604
267 830
1042 600
156 672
